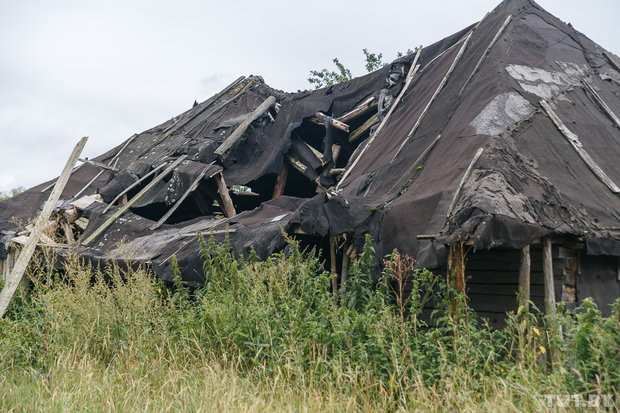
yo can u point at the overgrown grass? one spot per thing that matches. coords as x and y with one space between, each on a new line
270 336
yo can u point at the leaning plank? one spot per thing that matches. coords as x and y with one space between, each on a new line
132 186
524 278
601 103
435 95
24 257
585 156
191 188
365 126
133 200
401 181
227 204
319 120
410 76
238 133
463 180
486 52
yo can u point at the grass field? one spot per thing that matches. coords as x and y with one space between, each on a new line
265 336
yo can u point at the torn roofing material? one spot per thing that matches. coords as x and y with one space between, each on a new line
453 142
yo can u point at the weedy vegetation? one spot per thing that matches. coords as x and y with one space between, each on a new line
269 335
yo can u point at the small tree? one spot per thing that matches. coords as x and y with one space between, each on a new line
11 193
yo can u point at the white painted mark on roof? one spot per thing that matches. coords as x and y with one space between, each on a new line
544 83
503 111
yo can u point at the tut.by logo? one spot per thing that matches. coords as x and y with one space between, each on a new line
578 400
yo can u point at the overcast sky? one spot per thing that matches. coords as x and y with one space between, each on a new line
108 69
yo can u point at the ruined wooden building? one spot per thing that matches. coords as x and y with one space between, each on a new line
501 141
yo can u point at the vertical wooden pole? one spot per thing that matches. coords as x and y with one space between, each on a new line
550 298
43 219
524 278
227 204
548 276
280 182
332 254
345 270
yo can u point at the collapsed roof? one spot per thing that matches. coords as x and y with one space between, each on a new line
505 132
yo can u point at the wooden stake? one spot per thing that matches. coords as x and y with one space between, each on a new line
133 200
240 130
227 204
278 190
177 204
26 254
524 278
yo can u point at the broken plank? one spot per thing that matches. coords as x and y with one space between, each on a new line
132 186
238 133
133 200
577 146
26 254
177 204
227 204
368 105
365 126
335 123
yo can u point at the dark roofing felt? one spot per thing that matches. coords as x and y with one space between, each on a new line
529 180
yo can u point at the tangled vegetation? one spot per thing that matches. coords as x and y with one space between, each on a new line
270 336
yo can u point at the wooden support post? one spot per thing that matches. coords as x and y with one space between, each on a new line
550 297
132 186
332 256
26 254
278 190
239 131
524 278
177 204
345 270
227 204
133 200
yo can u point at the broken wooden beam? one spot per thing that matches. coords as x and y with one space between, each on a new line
227 204
336 171
432 99
278 190
524 278
132 186
319 120
365 126
177 204
133 200
240 130
573 139
362 109
43 219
